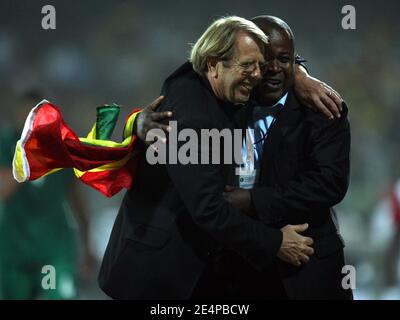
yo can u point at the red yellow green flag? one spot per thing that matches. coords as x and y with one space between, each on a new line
47 145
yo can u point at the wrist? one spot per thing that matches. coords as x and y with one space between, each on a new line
135 122
300 72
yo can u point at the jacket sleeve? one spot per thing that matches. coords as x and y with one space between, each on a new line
322 185
200 187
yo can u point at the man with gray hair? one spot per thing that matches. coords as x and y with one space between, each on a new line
230 56
166 235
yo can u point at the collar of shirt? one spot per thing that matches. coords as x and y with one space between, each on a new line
262 112
260 122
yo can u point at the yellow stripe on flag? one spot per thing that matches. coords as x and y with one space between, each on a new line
128 131
109 166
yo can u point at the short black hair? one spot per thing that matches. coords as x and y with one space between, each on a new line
274 22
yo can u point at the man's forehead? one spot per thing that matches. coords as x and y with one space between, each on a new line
278 34
246 44
280 40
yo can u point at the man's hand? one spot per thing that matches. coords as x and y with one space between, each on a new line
150 119
295 248
240 198
317 95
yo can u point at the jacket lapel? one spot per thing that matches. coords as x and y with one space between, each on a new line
283 123
242 115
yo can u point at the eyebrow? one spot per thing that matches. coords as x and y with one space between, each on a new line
250 60
285 53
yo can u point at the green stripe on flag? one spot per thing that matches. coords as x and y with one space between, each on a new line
107 117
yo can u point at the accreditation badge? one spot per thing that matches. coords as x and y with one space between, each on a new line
247 178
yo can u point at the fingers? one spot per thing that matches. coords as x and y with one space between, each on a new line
161 126
308 241
229 188
300 227
156 103
158 116
334 95
308 251
295 262
337 99
329 103
303 258
321 107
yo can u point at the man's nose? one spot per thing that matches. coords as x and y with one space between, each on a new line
272 66
257 73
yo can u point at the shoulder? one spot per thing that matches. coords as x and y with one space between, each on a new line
188 97
183 82
319 120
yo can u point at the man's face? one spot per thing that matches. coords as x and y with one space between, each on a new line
279 71
236 78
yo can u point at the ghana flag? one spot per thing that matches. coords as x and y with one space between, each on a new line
47 145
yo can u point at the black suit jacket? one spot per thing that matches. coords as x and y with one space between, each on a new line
304 173
175 216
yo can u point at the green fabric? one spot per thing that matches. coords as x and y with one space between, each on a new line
8 140
36 226
107 117
23 281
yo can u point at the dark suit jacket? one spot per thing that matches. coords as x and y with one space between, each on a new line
174 216
304 173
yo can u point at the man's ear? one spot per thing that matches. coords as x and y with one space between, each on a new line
213 67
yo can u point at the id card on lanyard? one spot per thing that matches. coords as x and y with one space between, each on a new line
248 179
248 171
252 149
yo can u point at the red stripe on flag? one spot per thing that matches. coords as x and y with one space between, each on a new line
52 144
110 182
